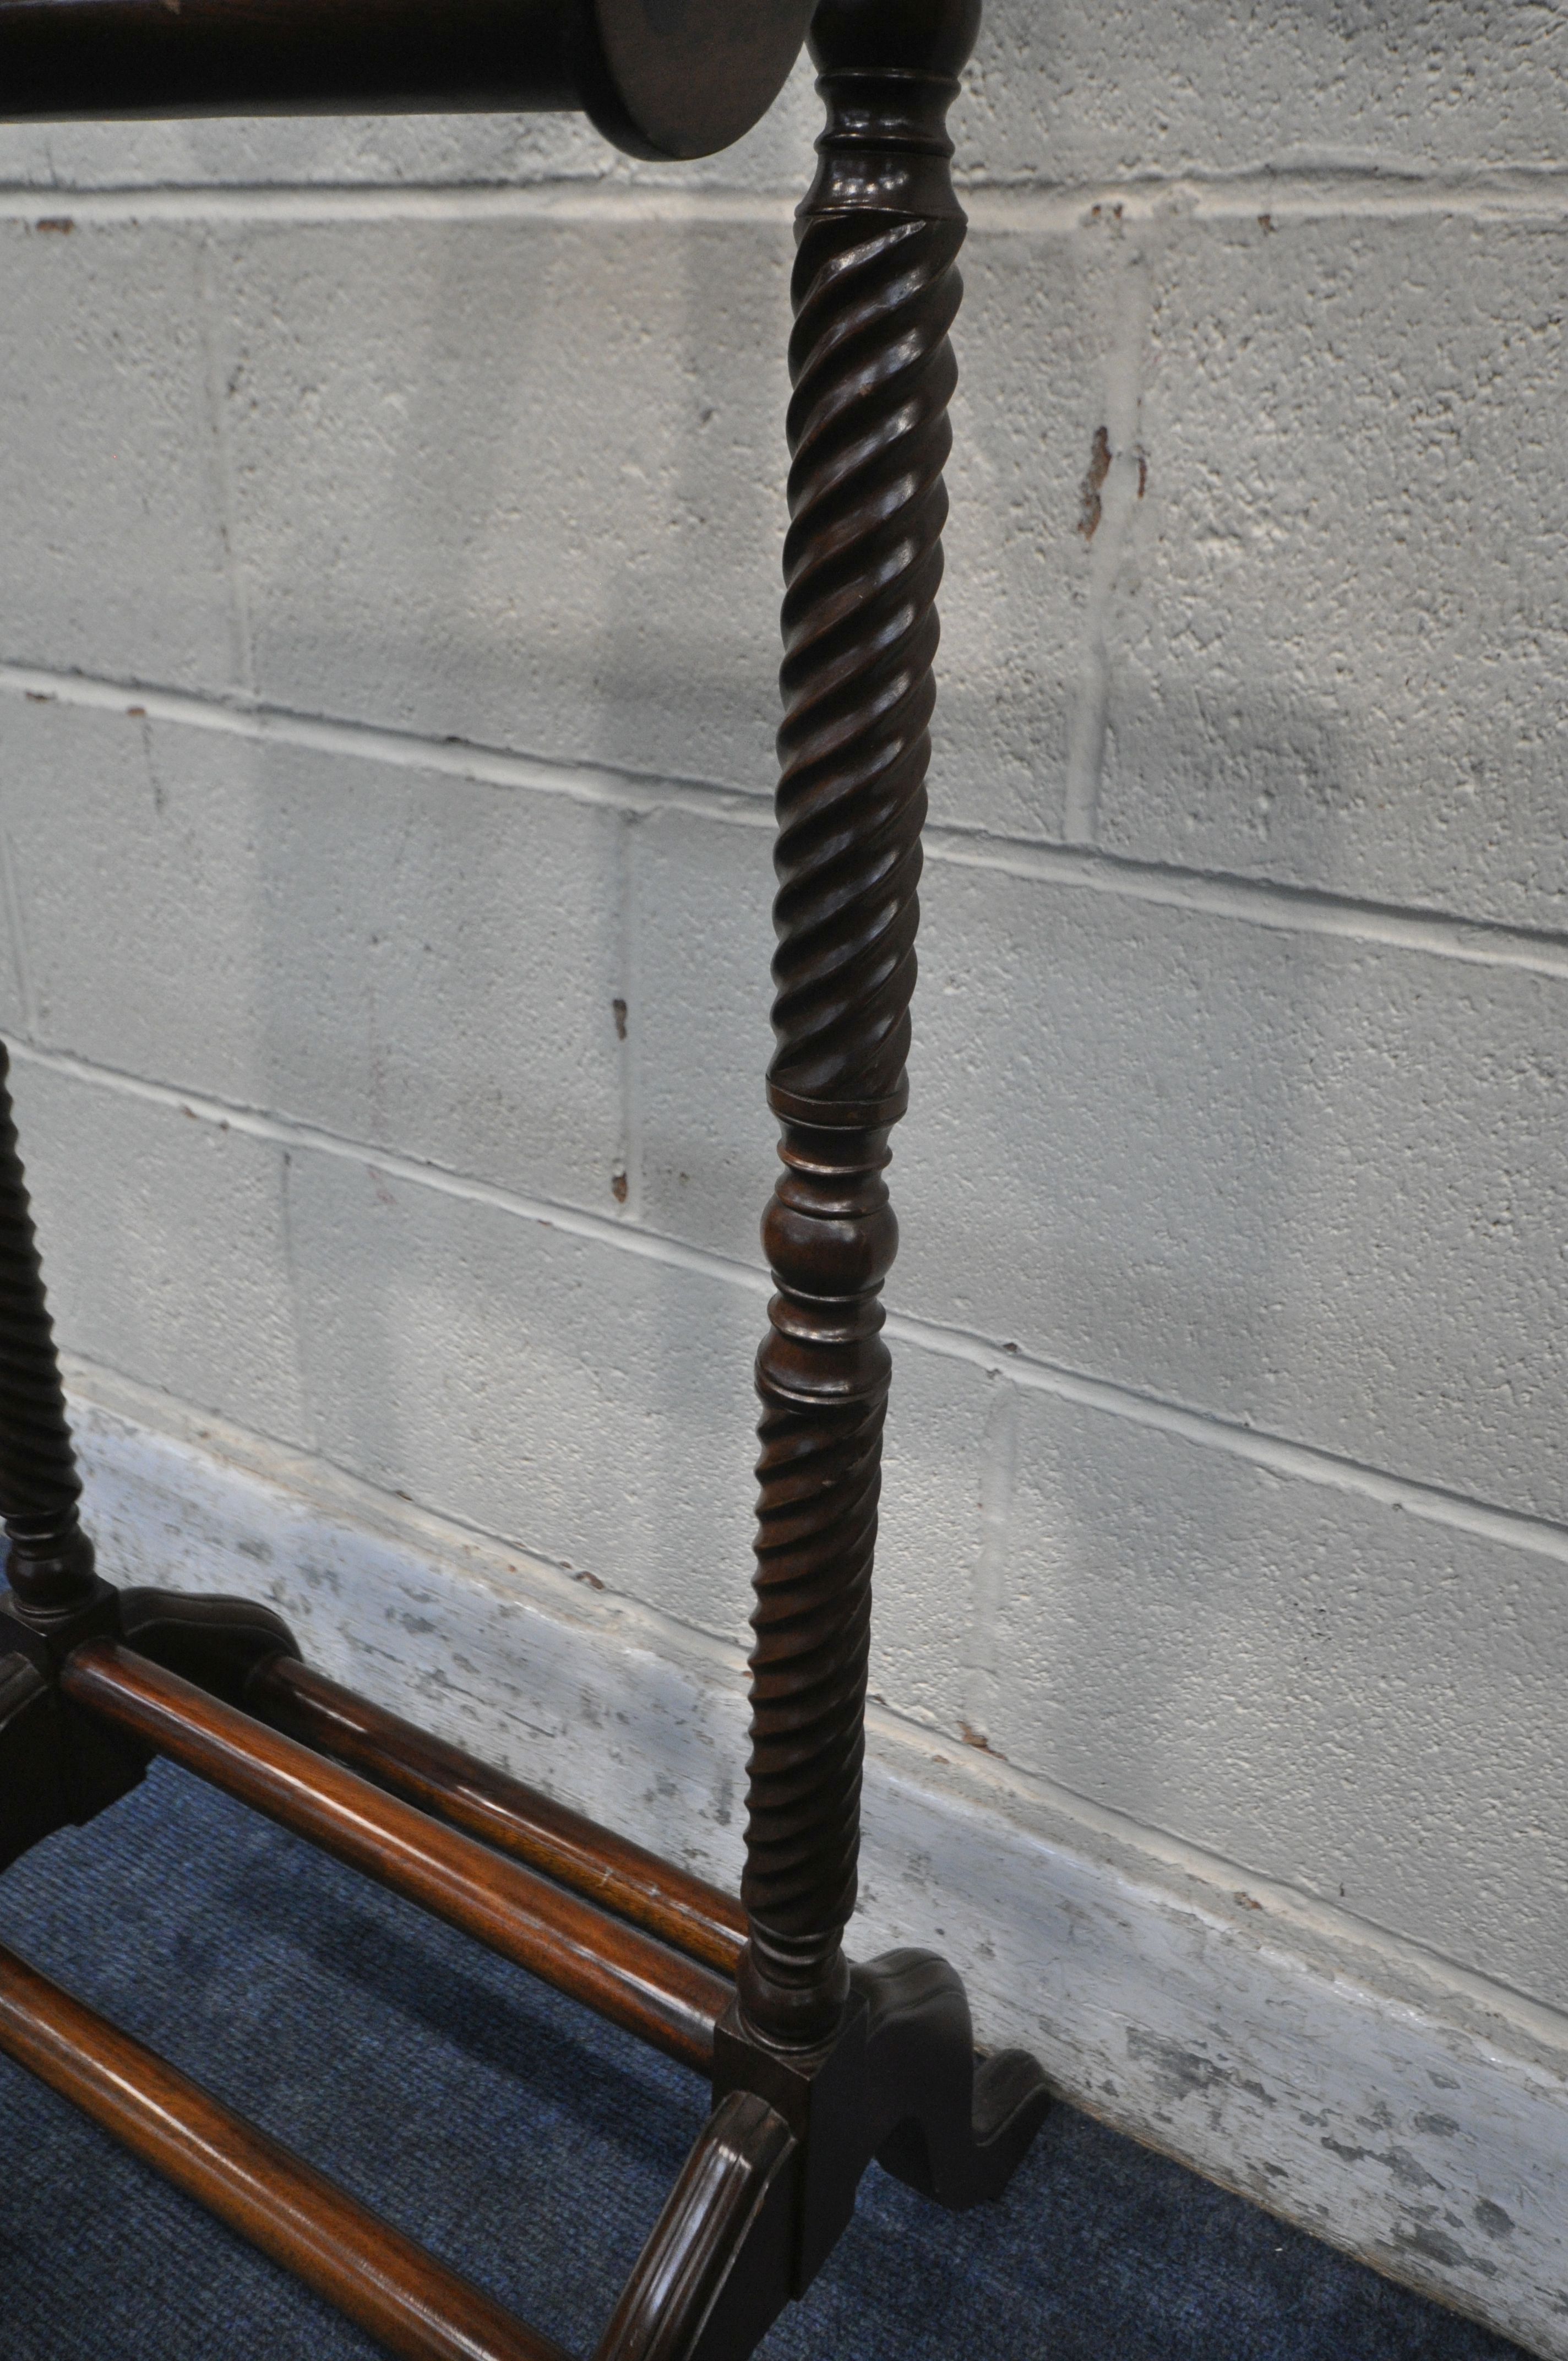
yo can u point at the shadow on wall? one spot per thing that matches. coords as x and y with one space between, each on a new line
521 475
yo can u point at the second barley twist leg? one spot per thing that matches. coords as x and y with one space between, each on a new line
876 293
50 1562
52 1768
56 1764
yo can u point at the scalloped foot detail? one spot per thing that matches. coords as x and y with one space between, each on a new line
959 2126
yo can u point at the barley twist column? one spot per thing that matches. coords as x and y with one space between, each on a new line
50 1564
875 291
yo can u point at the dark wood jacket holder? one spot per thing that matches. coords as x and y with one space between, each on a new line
817 2066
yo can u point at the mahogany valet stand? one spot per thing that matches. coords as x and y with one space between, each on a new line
817 2066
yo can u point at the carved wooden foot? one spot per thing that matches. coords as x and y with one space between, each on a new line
770 2186
957 2125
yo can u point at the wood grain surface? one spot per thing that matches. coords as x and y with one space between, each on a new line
392 2288
653 1991
684 1911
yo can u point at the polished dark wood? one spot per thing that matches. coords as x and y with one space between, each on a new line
50 1567
666 78
216 1643
52 1770
414 2304
684 1911
899 2081
32 1795
653 1991
715 2273
952 2125
875 290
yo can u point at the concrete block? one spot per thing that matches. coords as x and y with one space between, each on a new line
165 1246
1041 347
594 1406
1116 91
238 151
587 1404
1335 1696
1335 648
1304 1184
516 483
417 961
13 998
931 1544
1312 1185
702 940
589 568
109 482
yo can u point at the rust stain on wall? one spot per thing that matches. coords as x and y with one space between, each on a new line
1092 507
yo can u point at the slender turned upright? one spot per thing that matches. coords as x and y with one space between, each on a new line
50 1564
876 289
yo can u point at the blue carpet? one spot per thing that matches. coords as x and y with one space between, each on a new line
532 2146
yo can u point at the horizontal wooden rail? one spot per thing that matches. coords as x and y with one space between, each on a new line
637 1982
659 81
392 2288
681 1910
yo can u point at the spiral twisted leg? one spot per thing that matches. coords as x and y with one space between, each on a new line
875 291
50 1564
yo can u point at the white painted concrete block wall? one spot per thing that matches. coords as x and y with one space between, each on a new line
388 617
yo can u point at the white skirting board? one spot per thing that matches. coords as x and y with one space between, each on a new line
1411 2114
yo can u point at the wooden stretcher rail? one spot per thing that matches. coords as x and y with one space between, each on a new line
697 1918
381 2280
672 2002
